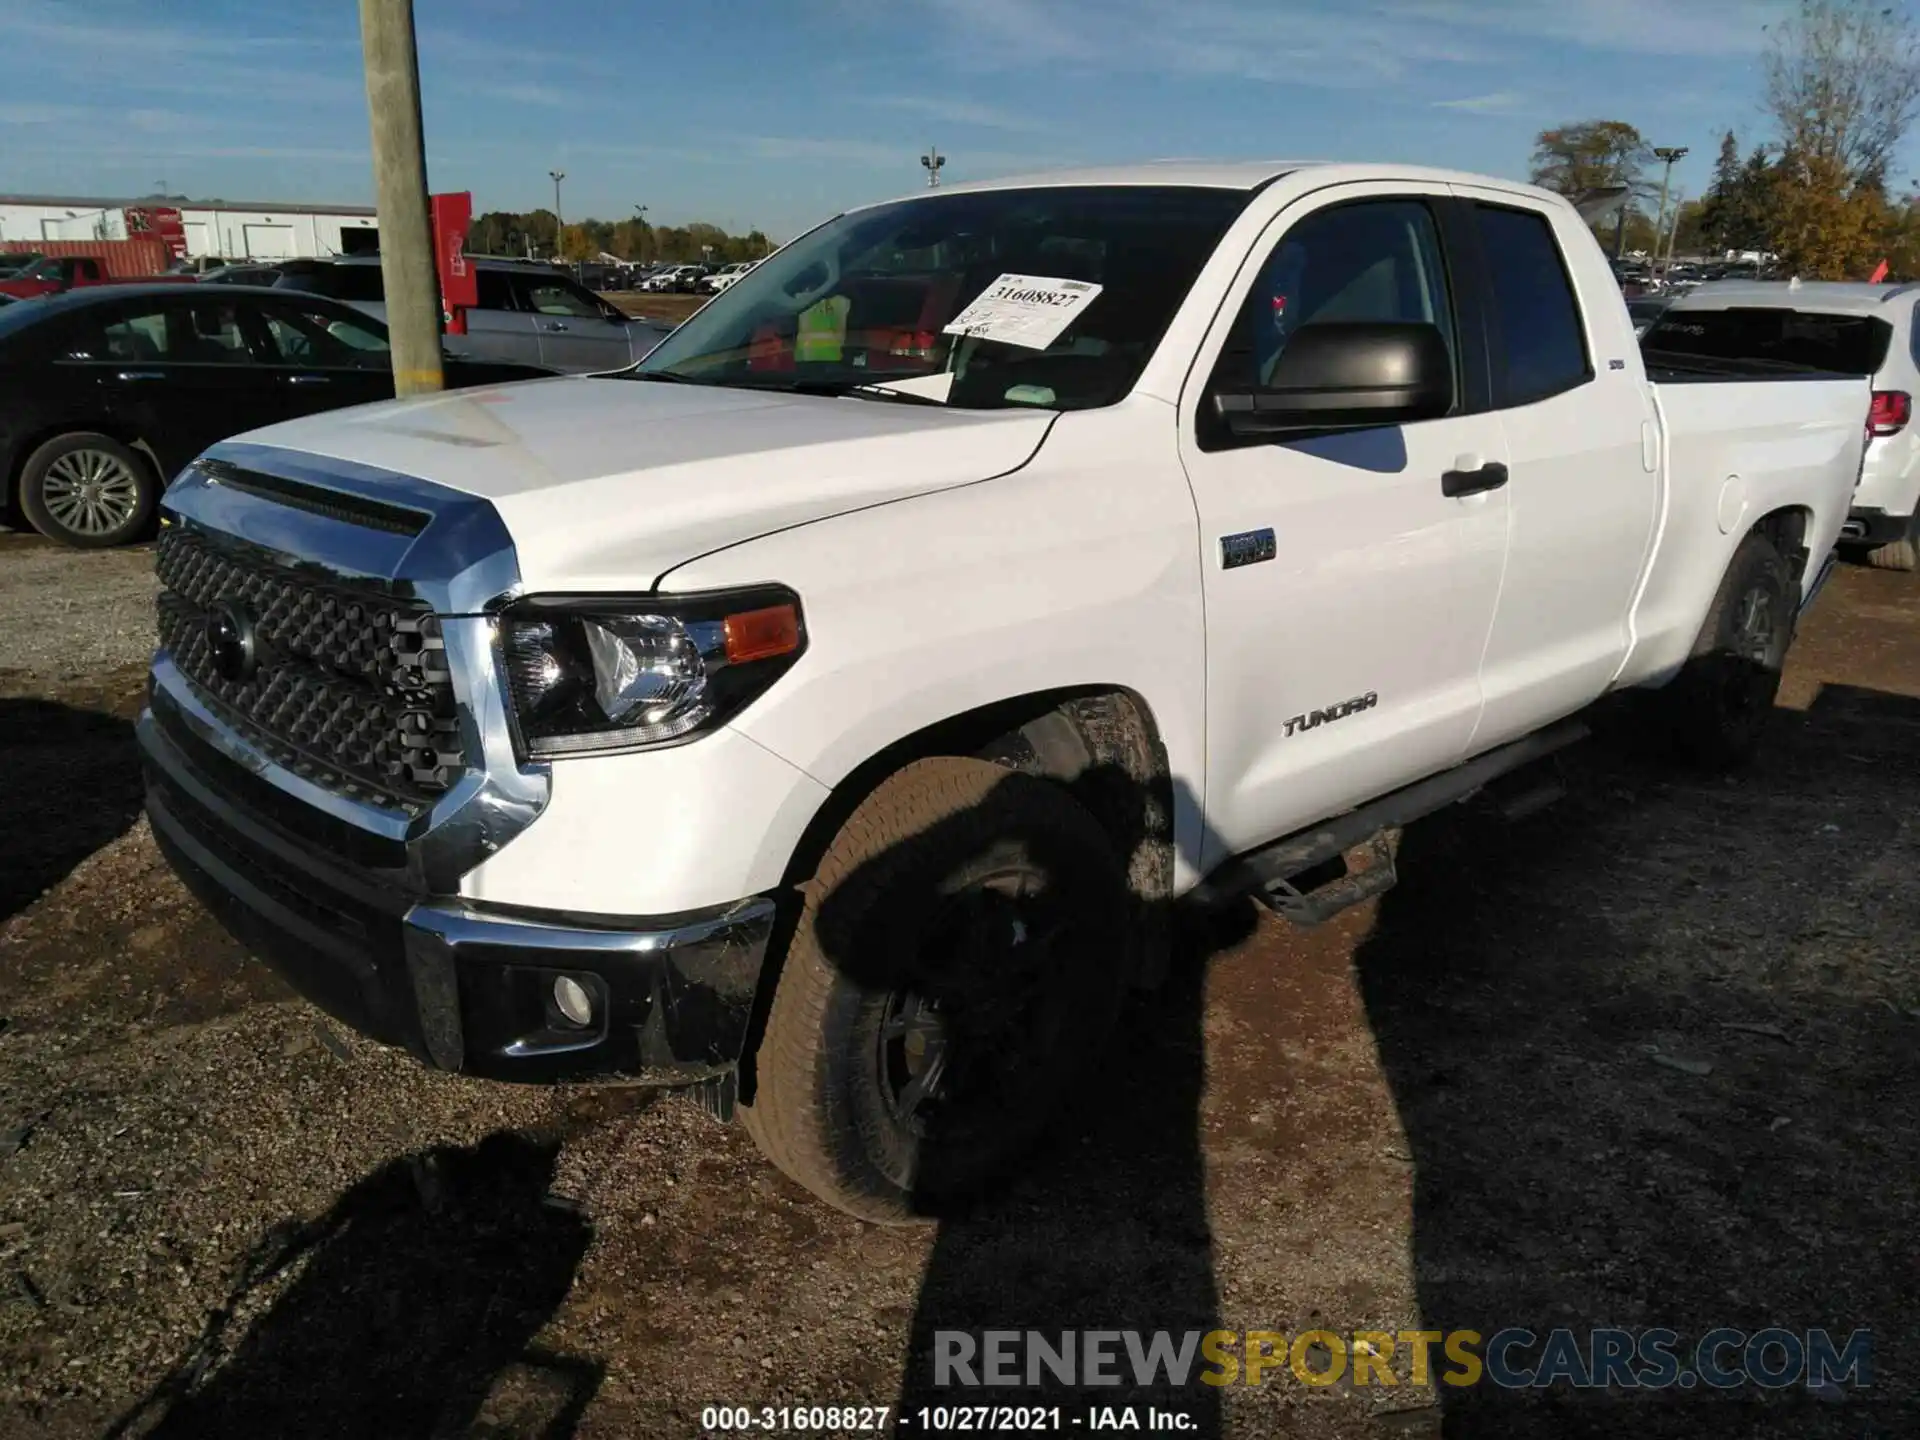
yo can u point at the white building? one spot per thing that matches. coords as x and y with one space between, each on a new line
234 229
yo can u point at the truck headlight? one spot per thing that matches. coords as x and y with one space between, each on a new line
597 674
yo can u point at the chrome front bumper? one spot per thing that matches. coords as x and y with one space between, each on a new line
462 987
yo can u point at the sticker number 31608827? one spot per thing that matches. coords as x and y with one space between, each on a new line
1026 310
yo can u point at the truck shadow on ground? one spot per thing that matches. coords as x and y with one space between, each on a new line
1104 1225
1546 998
69 783
405 1311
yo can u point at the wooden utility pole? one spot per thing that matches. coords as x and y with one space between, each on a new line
407 269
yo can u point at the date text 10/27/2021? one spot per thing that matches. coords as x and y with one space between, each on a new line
942 1419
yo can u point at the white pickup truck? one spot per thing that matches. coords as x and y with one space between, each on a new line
824 711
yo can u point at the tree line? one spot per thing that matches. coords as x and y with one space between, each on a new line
537 232
1816 188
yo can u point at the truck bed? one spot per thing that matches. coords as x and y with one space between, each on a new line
1736 449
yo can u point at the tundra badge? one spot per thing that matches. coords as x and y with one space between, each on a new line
1315 718
1249 547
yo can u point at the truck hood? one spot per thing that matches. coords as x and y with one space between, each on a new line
609 483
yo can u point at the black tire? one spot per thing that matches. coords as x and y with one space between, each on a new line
1898 554
1717 706
979 912
88 490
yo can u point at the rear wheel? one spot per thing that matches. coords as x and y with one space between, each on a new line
1718 705
955 972
1899 554
88 490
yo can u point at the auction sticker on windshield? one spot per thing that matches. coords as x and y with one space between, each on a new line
1025 310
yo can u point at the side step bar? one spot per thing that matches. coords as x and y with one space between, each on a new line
1370 833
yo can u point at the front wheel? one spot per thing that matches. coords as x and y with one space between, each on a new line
88 490
954 974
1718 705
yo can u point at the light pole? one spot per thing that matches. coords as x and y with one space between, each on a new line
1668 153
559 225
933 160
1673 230
640 219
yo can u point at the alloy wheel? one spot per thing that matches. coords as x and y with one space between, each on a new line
990 1010
91 492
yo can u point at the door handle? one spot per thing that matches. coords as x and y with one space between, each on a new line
141 375
1490 476
556 325
308 379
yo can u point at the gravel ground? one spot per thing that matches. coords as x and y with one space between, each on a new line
1513 1092
72 614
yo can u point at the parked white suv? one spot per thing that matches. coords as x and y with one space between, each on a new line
1848 328
826 711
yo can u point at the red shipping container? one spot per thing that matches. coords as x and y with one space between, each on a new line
121 259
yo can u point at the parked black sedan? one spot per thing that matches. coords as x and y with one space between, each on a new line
110 391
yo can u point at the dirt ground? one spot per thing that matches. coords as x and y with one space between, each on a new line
672 308
1512 1092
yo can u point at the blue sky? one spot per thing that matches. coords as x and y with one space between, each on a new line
779 112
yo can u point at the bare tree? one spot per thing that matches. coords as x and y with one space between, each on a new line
1843 84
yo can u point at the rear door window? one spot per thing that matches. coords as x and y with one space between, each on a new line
1540 346
132 337
556 297
321 339
495 291
206 332
359 283
1793 339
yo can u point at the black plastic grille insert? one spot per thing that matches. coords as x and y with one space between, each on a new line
351 688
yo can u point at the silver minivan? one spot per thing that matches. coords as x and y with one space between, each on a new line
529 314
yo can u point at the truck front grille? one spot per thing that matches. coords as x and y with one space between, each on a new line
347 686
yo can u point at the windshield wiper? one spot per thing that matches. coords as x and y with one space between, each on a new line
871 391
865 389
835 389
665 376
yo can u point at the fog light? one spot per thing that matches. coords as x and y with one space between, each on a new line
570 998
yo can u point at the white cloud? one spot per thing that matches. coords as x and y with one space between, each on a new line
1500 102
902 157
1333 44
16 113
525 94
106 150
41 25
163 122
108 120
1641 27
1325 47
874 153
464 53
956 112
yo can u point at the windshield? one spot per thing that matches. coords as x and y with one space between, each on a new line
1067 292
46 269
1845 344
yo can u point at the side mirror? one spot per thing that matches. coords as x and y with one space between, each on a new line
1347 376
